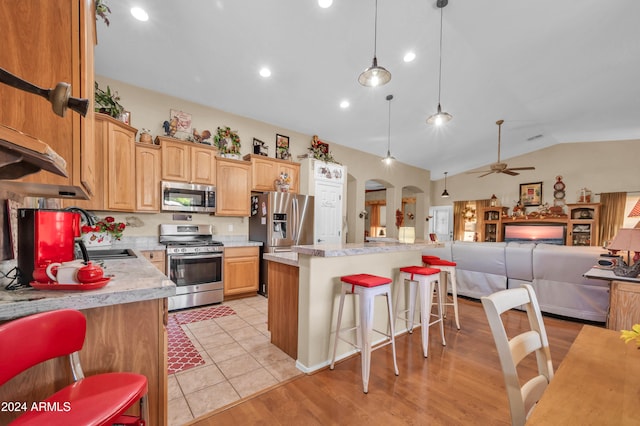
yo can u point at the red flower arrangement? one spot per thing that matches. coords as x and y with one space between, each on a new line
108 225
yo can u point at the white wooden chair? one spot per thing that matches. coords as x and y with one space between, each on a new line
523 398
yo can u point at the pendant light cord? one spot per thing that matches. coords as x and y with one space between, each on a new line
440 71
389 127
375 31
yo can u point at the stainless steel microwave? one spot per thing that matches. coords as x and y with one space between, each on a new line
188 197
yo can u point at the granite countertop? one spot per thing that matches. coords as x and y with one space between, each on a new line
152 243
353 249
286 257
132 280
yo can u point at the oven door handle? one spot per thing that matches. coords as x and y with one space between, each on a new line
197 256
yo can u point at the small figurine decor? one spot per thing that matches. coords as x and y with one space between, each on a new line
283 182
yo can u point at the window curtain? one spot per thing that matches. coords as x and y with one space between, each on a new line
611 215
480 204
458 220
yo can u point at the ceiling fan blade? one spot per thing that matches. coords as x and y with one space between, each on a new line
510 172
522 168
491 171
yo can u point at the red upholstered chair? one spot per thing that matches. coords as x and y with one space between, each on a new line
426 280
101 399
366 287
448 274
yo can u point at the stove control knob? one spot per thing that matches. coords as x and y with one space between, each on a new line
183 250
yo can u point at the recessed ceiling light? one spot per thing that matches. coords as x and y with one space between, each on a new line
139 14
344 104
409 56
265 72
325 3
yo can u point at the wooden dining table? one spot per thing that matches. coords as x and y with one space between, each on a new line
597 383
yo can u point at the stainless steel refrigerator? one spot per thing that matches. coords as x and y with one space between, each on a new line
279 220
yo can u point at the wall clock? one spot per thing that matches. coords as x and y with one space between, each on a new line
558 191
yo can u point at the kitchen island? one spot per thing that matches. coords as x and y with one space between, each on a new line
126 331
319 268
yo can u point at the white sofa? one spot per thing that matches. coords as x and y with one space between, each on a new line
555 272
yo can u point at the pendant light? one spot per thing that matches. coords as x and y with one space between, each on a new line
445 194
389 158
440 117
374 75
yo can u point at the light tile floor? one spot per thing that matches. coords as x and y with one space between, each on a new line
239 361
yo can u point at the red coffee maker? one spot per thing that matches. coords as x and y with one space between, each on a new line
45 236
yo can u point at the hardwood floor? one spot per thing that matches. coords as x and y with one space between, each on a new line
458 384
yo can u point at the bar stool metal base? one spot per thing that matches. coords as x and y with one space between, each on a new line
426 280
365 327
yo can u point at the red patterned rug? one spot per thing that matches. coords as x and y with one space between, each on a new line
182 354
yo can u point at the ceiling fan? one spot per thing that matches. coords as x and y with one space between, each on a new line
499 167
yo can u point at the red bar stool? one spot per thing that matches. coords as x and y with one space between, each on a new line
98 399
428 281
366 287
448 273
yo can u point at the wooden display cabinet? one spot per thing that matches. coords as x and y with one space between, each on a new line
241 268
491 223
583 225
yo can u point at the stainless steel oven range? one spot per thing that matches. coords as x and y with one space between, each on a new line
194 263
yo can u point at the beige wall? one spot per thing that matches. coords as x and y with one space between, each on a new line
598 166
150 109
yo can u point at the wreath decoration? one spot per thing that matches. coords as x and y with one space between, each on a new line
227 141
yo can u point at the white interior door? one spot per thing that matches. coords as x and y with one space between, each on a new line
441 222
328 213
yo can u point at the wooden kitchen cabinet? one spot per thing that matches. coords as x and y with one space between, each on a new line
583 226
283 307
130 337
233 193
187 161
624 305
264 172
115 167
241 267
148 176
46 42
157 258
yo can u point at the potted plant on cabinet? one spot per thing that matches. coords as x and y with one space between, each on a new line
107 102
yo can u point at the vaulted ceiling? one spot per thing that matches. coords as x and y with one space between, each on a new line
555 70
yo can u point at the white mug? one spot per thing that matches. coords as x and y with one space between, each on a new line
66 272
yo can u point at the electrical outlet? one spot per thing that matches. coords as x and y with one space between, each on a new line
230 227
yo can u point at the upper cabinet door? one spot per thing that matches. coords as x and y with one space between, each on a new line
176 159
203 165
46 42
233 194
121 175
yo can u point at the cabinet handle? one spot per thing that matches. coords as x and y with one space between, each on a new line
151 255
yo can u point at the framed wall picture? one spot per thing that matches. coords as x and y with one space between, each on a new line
282 147
184 120
531 194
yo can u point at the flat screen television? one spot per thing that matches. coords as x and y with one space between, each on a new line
552 233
